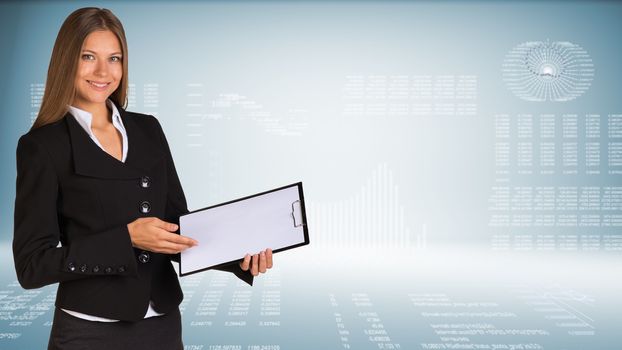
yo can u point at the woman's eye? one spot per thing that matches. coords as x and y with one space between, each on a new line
91 57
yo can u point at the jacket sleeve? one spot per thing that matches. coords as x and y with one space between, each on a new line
39 260
176 206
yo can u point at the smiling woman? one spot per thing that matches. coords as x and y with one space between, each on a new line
73 56
114 212
99 73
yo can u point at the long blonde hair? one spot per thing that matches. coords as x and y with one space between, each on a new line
60 84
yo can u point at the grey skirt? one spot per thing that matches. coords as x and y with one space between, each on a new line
73 333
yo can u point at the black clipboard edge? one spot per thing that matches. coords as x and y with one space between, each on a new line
304 219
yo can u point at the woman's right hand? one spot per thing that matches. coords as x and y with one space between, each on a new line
158 236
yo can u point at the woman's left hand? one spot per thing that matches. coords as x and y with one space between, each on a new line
260 262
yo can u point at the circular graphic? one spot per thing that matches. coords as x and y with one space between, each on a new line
543 71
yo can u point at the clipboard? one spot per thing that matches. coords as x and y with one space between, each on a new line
273 219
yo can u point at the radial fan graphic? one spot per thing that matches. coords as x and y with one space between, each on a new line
544 71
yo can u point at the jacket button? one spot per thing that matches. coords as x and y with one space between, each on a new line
108 269
145 182
143 257
83 268
145 207
71 266
121 269
96 268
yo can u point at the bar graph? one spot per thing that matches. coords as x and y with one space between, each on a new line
373 217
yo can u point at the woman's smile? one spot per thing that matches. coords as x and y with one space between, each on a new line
99 86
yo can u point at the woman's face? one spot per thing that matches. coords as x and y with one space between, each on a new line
100 69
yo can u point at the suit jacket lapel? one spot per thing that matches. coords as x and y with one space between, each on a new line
90 160
143 150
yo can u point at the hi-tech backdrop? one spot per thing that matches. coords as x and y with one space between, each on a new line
461 162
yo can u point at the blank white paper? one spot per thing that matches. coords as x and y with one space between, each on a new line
226 233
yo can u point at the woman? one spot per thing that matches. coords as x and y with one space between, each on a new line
101 181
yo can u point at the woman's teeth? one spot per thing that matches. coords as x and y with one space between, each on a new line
99 85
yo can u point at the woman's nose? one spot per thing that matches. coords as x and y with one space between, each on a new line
101 68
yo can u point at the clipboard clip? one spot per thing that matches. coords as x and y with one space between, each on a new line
294 216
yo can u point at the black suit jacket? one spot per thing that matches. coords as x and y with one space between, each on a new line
71 191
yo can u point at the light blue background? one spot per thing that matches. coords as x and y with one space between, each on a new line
291 60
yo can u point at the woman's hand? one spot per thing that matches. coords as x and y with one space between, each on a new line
261 262
155 235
